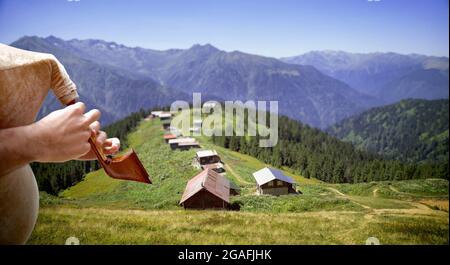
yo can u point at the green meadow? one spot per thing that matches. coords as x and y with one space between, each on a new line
101 210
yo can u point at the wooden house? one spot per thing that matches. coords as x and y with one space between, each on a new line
274 182
187 146
209 159
183 143
165 124
169 136
207 190
156 113
165 116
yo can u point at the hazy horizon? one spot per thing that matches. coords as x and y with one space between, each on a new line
212 44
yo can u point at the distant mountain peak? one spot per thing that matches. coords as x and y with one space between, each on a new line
26 38
206 47
329 52
52 38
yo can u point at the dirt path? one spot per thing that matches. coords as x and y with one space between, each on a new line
375 192
337 192
238 177
417 208
419 205
392 188
395 190
348 197
413 211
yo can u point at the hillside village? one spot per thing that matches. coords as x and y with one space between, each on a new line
211 189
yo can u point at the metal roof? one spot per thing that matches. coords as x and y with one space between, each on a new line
165 115
189 144
156 113
205 153
209 180
266 174
182 140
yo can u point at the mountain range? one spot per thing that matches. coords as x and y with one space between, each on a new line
318 88
389 77
120 79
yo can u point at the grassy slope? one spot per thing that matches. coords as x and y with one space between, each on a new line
100 210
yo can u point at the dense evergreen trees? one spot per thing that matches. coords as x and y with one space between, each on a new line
413 130
313 153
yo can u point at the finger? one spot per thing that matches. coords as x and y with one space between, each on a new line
91 116
95 126
101 137
111 142
113 145
115 141
111 150
78 107
107 143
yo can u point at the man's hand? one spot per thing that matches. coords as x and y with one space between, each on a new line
63 135
60 136
110 146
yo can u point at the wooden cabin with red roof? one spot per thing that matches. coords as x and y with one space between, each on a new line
169 136
207 190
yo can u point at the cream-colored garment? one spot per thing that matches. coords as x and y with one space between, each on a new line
25 80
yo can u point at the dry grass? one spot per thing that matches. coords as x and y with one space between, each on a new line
102 226
441 205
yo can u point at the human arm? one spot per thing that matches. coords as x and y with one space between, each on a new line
60 136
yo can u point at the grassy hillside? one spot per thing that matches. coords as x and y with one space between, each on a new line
101 210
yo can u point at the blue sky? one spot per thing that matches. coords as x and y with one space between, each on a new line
267 27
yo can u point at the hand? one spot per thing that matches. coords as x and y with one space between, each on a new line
63 134
110 146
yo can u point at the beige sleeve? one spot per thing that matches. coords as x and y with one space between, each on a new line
25 80
63 87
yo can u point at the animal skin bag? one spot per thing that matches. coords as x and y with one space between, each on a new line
25 80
